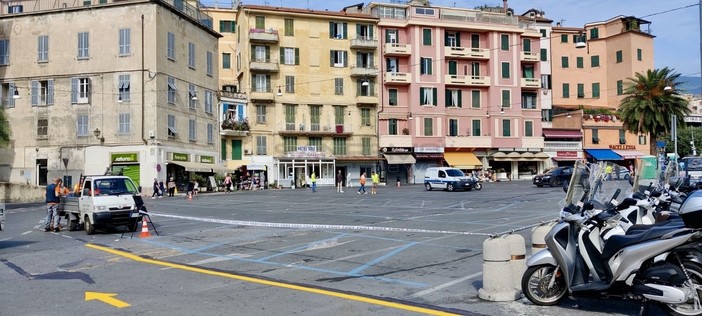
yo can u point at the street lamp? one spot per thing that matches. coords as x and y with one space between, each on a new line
673 130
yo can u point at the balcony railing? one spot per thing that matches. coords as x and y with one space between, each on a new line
481 17
364 42
466 52
367 71
263 35
563 145
318 129
479 81
261 93
397 49
397 78
529 57
531 83
264 65
233 127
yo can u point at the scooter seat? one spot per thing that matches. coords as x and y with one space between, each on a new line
638 228
618 242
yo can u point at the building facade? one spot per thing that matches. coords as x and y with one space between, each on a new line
136 96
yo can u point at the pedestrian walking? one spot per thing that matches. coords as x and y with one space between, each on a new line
161 189
196 188
171 187
362 182
313 179
157 190
53 196
228 183
608 172
375 178
339 182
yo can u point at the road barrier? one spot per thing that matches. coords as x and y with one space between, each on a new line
517 261
538 236
498 279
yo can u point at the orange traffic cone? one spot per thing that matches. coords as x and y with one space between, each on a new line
190 196
144 228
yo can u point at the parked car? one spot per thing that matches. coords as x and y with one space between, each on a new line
553 177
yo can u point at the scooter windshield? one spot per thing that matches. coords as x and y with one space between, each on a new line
609 182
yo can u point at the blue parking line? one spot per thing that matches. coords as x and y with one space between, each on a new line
296 249
381 258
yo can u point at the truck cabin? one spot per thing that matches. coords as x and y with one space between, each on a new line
109 186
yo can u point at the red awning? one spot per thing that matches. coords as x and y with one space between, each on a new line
562 133
567 158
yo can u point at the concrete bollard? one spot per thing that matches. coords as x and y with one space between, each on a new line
498 284
517 252
538 237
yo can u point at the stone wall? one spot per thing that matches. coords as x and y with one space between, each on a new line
21 193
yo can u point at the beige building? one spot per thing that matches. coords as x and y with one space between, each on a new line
311 82
590 67
135 95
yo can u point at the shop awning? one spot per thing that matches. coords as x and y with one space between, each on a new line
462 160
256 166
399 159
193 166
603 154
218 168
562 133
629 154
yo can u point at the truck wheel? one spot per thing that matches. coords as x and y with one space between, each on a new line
72 223
427 186
89 228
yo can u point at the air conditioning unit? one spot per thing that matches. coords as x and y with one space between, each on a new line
246 151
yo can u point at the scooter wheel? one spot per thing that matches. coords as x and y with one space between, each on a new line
478 186
535 285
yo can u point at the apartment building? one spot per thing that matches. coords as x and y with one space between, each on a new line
136 95
460 88
311 78
590 70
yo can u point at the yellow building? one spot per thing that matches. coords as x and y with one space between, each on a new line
311 82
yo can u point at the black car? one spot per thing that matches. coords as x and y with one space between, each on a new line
553 177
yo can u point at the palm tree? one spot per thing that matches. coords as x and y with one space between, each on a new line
4 129
647 107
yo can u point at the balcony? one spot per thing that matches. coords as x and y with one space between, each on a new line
263 36
475 81
364 42
262 95
314 129
552 145
366 100
395 49
529 57
397 78
466 52
468 141
533 142
368 71
236 128
531 83
264 65
395 141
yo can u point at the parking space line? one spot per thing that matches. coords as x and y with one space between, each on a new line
381 258
445 285
407 306
297 249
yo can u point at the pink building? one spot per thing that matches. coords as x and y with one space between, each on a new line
460 87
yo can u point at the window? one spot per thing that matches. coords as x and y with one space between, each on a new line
564 62
453 127
427 96
579 62
124 124
170 50
289 84
43 48
208 101
564 38
125 39
595 61
546 115
595 136
506 98
339 146
428 126
261 145
506 128
392 127
226 60
316 142
260 22
528 129
123 88
223 150
426 64
8 90
290 117
543 32
210 133
544 54
642 139
619 56
339 86
172 132
546 82
475 99
289 144
261 83
528 101
452 67
452 39
192 130
367 91
171 92
261 53
83 45
209 63
476 128
364 31
639 54
505 70
596 90
453 98
392 96
80 90
42 128
42 92
82 125
424 11
566 90
191 55
620 87
390 36
426 37
338 30
526 45
227 26
594 33
338 58
289 27
315 114
581 90
260 114
365 117
366 146
475 41
504 42
622 137
192 94
339 114
290 55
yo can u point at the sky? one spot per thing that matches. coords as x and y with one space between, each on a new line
677 42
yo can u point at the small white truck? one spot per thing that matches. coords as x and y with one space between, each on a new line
103 202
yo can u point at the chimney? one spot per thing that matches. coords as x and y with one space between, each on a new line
558 24
504 4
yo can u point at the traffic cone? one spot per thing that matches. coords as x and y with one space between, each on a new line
190 196
144 228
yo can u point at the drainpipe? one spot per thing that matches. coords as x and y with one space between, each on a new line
143 84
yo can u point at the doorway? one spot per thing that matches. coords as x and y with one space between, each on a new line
42 171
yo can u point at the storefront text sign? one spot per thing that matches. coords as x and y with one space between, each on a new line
306 154
125 157
207 159
428 149
566 154
306 148
396 150
622 147
181 157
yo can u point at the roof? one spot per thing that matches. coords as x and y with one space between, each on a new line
562 133
305 11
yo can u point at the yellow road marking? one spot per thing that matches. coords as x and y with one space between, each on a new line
106 298
273 283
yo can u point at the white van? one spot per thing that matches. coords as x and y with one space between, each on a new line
445 178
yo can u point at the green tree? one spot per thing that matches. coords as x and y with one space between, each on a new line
685 136
4 129
647 107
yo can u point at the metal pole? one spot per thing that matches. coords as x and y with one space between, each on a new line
674 128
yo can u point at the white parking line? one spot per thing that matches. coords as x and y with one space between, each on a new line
445 285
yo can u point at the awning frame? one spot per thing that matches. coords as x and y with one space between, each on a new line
400 159
193 166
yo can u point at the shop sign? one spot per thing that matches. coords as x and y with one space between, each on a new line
306 148
566 154
306 154
693 119
429 156
125 157
181 157
622 147
396 150
429 149
207 159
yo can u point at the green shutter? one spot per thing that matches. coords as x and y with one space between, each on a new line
544 54
331 58
232 27
458 39
282 56
581 90
620 56
475 98
426 37
331 30
223 151
268 53
566 90
345 35
460 98
358 30
596 90
564 38
387 36
370 31
579 62
505 41
447 97
595 61
505 98
564 62
446 38
421 95
431 64
297 56
221 26
620 87
346 58
435 90
639 54
526 44
475 41
505 71
236 149
506 128
453 65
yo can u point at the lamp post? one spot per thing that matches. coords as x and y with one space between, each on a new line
674 130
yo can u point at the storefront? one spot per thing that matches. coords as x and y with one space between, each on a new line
520 164
566 158
466 161
295 168
427 157
398 164
181 167
126 164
